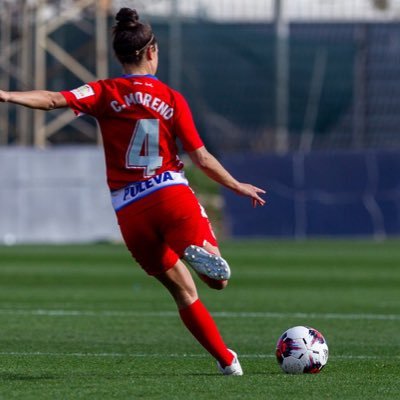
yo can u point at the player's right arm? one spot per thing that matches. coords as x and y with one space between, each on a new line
37 99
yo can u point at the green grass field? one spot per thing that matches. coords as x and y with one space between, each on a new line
84 322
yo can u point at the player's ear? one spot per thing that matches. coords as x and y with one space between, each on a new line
150 53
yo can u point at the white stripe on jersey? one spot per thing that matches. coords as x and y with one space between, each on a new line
137 190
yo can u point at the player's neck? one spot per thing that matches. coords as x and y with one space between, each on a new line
138 70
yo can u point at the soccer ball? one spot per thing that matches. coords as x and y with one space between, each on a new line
302 350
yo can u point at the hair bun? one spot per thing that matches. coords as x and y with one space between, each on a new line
127 19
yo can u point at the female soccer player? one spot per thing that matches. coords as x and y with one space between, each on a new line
160 218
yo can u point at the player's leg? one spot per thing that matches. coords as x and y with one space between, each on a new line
192 238
173 225
196 317
145 241
180 284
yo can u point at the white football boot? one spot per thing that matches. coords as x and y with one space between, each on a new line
233 369
203 262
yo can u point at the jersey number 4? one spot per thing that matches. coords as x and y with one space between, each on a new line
144 147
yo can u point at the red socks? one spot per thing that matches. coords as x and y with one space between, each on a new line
202 326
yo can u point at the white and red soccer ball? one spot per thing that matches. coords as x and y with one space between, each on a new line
302 349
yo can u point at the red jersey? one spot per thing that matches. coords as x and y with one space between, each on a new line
140 119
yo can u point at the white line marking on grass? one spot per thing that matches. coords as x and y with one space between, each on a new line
175 355
267 315
383 317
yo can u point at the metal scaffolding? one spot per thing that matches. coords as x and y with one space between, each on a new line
26 40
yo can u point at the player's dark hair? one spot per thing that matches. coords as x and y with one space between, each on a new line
131 37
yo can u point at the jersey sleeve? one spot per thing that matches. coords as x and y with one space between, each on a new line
85 99
184 126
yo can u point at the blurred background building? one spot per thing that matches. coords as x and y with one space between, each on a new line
297 96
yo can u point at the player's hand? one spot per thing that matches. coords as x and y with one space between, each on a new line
253 192
4 96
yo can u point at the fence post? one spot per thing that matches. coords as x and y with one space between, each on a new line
282 78
175 47
360 89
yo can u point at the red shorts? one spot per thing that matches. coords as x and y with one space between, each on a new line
158 228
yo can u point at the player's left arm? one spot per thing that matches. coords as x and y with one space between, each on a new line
37 99
215 170
193 145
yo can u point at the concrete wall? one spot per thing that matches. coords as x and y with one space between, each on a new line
56 195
